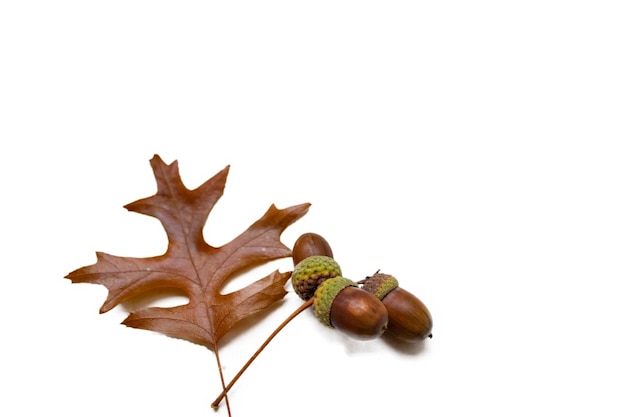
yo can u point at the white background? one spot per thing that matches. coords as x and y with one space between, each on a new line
472 149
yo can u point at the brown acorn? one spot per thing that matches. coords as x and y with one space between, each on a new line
310 244
341 304
409 319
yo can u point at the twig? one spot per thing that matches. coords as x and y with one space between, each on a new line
299 310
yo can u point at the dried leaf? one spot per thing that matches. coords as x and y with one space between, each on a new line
192 265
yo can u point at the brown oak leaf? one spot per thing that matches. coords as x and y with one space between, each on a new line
192 265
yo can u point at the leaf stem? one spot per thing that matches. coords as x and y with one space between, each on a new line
299 310
219 367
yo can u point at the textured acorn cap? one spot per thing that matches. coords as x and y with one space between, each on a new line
309 273
380 284
325 295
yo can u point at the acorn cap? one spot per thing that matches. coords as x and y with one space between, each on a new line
309 273
325 295
380 284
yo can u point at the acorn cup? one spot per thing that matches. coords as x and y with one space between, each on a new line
311 272
409 319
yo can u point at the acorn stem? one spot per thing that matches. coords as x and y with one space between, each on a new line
215 404
361 282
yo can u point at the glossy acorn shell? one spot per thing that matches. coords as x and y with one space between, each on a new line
310 244
339 303
409 319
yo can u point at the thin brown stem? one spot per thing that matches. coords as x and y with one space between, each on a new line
219 366
299 310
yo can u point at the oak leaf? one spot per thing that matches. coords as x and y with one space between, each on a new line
192 265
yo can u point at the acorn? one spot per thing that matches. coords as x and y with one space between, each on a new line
409 319
310 244
310 272
341 304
